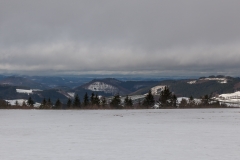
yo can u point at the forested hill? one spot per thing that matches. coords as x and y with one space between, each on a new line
203 86
198 87
109 86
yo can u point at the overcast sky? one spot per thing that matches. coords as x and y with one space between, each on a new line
136 37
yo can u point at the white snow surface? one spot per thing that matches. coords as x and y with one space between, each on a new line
235 95
36 105
20 101
71 94
187 134
179 99
231 99
134 98
220 80
157 89
24 91
192 82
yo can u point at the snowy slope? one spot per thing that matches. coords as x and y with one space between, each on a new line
101 86
157 89
19 101
220 80
196 100
24 91
229 99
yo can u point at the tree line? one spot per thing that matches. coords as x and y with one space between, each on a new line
89 102
167 99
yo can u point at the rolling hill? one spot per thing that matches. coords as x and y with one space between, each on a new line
22 82
109 86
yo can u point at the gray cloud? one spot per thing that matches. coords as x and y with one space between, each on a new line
188 37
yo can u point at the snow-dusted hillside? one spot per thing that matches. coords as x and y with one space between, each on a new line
235 95
196 100
71 94
157 89
192 82
20 102
220 80
101 86
229 98
24 91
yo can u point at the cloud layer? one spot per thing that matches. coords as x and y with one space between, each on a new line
141 37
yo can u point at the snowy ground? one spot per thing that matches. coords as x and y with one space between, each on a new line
199 134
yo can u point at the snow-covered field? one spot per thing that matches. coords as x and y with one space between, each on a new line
187 134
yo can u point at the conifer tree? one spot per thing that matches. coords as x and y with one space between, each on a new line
139 103
92 98
16 103
128 102
76 102
58 104
44 102
24 104
96 100
30 101
205 100
49 103
104 102
148 100
69 103
191 98
116 102
174 100
86 100
183 103
165 97
191 102
4 104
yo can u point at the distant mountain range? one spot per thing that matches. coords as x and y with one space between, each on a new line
64 88
22 82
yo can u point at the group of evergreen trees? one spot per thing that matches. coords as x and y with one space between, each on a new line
166 99
17 105
46 104
115 103
149 100
92 102
128 102
96 102
204 102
